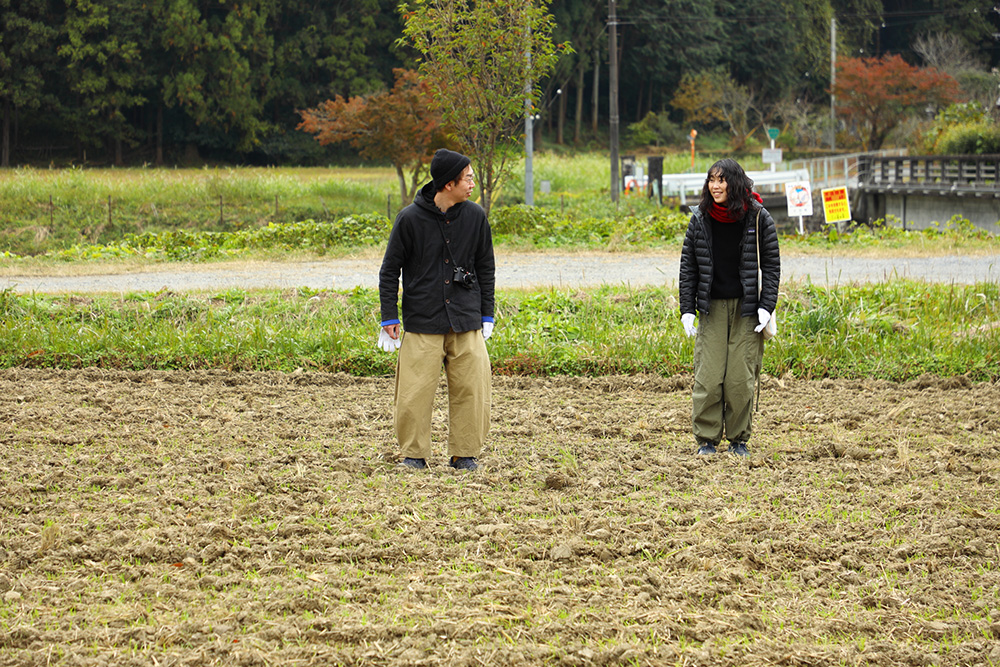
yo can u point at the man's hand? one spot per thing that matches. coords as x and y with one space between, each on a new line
763 317
487 330
687 319
388 338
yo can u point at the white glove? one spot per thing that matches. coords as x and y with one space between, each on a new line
487 330
763 317
387 342
687 319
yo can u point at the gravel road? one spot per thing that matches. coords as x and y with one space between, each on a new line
514 270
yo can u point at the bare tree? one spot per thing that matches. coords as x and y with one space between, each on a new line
739 108
800 119
946 52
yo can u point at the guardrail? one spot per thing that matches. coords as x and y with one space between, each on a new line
681 184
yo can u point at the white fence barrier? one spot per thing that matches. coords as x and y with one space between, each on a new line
681 184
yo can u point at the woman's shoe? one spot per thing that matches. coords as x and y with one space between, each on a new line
738 448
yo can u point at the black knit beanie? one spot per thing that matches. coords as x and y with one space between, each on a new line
446 166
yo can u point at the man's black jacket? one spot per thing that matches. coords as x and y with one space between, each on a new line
425 245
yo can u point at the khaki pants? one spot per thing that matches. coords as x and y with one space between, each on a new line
467 368
727 359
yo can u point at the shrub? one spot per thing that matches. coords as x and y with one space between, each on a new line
546 228
349 231
521 219
655 129
962 129
976 138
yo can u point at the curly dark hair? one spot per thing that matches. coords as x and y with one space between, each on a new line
740 187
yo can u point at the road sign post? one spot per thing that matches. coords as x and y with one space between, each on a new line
772 134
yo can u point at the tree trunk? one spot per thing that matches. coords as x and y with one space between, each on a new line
638 102
597 89
561 121
578 129
487 197
876 138
159 134
119 158
5 158
401 175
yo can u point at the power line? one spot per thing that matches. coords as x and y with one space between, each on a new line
690 18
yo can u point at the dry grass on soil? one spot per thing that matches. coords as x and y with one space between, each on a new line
195 518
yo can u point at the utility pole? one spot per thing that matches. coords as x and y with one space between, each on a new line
613 97
833 82
529 131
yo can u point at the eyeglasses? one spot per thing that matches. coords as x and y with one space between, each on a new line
469 179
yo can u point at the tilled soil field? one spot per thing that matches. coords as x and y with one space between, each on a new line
197 518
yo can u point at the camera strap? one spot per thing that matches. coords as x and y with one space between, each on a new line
447 246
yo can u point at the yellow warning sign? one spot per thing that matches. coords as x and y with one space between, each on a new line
836 206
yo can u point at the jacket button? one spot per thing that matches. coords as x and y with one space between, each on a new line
447 282
446 261
447 300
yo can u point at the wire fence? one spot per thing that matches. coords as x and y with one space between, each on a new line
30 226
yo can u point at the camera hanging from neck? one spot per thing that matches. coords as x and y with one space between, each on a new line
462 276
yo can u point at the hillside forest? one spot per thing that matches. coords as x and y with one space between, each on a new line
131 82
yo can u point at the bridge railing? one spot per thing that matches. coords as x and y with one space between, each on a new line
836 170
930 174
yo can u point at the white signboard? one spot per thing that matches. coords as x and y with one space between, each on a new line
771 155
799 198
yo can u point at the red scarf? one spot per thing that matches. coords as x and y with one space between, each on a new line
721 213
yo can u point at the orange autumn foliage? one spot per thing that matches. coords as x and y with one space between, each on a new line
399 125
877 94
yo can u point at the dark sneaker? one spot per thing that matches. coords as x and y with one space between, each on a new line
417 464
737 448
463 463
706 448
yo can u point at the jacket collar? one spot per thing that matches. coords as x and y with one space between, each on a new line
425 200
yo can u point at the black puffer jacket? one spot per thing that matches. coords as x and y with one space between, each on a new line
696 264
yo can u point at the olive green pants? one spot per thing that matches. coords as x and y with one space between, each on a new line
467 369
727 358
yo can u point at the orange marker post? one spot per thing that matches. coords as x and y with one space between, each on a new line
694 133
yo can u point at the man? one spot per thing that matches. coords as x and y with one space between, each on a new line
443 246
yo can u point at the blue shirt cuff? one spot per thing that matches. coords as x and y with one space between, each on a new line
487 319
386 323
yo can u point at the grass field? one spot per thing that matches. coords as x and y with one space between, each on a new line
894 330
54 216
51 210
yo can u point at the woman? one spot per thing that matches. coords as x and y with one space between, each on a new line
719 283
